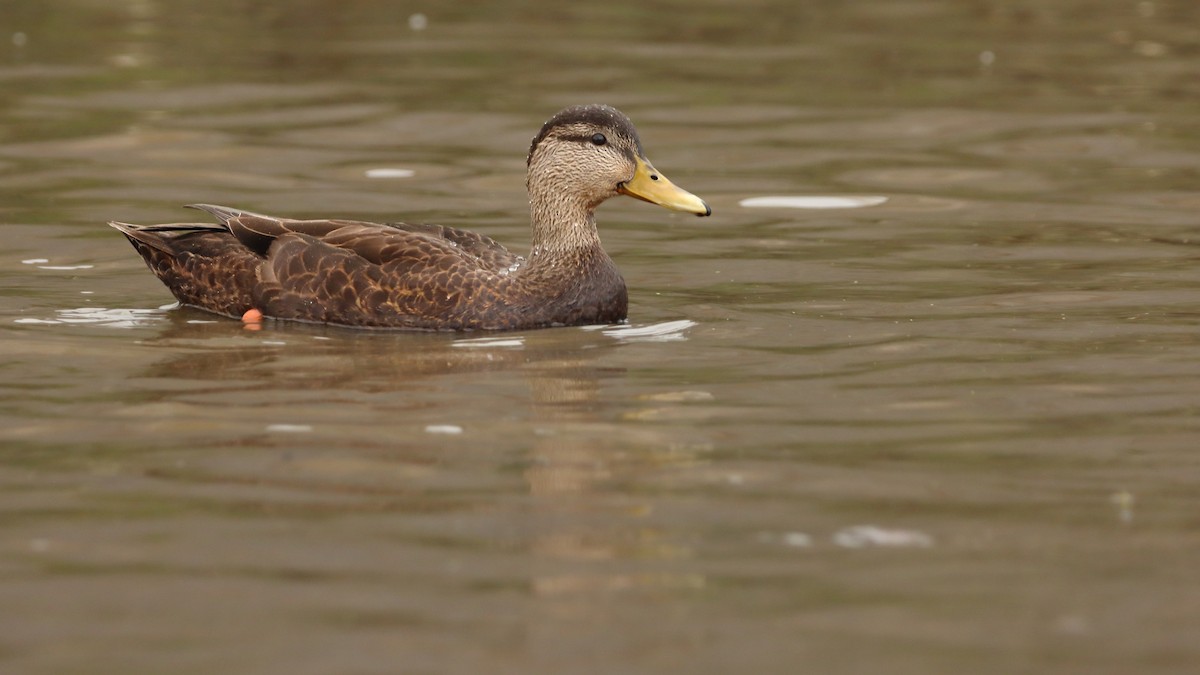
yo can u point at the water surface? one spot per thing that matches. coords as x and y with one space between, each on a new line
949 426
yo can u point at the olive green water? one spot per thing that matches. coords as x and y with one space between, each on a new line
957 431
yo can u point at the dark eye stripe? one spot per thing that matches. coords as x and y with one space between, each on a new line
596 139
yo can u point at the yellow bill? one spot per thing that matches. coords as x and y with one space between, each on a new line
649 185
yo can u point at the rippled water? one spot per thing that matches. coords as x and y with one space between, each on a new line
920 397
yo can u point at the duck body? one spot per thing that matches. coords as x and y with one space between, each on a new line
421 276
396 275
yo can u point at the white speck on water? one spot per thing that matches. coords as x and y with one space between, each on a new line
789 539
290 428
1124 503
813 202
987 58
87 292
386 172
20 39
1149 48
274 343
449 429
418 21
863 536
39 545
65 268
796 540
203 321
35 261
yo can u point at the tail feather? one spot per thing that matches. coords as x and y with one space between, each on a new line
138 234
154 235
225 213
201 263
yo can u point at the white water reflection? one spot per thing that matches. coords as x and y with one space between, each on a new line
387 172
812 202
788 539
290 428
667 331
490 342
41 265
863 536
104 316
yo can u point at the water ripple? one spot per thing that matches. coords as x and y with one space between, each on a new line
103 316
667 331
813 202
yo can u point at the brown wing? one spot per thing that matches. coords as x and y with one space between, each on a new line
367 275
334 271
491 254
257 231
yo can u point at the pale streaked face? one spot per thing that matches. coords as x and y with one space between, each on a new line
594 152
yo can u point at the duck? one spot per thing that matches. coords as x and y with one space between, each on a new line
428 277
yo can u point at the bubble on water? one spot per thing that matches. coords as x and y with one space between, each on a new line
987 58
19 39
1149 48
418 21
789 539
290 428
812 202
448 429
796 540
1123 500
863 536
389 172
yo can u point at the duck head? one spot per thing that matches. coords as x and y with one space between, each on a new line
590 153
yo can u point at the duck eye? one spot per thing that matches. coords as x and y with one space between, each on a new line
599 139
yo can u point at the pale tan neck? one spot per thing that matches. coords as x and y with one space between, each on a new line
562 222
